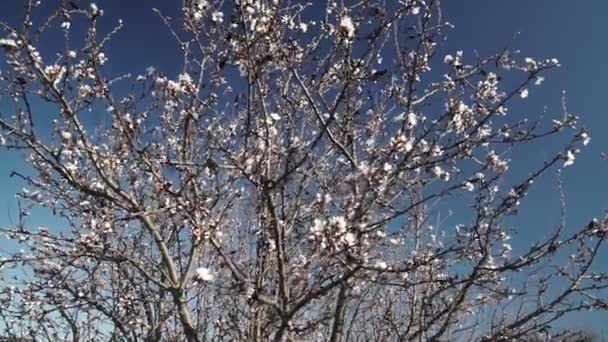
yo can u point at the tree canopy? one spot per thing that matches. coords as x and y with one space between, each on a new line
315 171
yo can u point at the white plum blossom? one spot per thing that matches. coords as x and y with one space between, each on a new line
72 167
440 173
275 116
200 4
217 17
495 163
84 90
403 142
197 15
9 43
66 136
184 78
462 116
411 120
452 60
437 151
408 146
531 64
448 59
101 58
339 222
347 26
539 80
204 274
381 264
95 11
350 239
586 138
318 227
488 88
55 73
569 158
174 86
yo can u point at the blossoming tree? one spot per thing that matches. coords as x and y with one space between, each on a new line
284 186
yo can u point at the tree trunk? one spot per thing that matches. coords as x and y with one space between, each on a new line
184 316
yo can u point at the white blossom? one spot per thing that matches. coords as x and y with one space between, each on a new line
66 136
275 116
586 138
71 167
381 264
569 158
317 227
339 222
409 145
95 11
440 173
411 120
448 59
350 239
84 90
531 64
347 26
204 274
217 17
184 78
200 4
394 241
55 73
174 86
8 43
101 58
539 80
495 163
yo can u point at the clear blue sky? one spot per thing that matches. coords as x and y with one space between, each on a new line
573 31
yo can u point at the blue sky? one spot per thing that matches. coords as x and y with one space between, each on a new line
575 33
572 31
